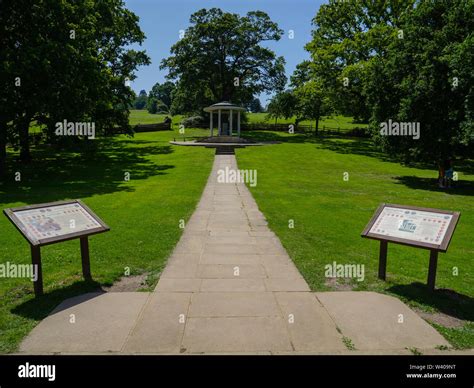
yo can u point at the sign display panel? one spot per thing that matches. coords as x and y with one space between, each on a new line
42 224
56 221
415 225
410 225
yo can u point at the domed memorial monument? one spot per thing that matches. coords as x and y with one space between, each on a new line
228 120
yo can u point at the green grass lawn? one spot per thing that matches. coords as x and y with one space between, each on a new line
143 117
334 122
136 117
342 122
302 180
144 214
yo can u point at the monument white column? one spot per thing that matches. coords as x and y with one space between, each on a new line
230 121
212 126
219 126
238 123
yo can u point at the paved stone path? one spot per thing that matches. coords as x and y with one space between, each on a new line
235 284
230 287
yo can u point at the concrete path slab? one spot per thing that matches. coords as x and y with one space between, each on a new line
230 288
231 271
233 285
375 321
178 285
233 304
161 325
285 284
94 322
180 271
238 334
308 323
214 258
286 271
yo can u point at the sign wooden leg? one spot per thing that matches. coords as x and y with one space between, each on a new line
86 265
383 259
432 269
36 260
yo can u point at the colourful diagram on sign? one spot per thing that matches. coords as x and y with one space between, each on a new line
55 221
415 225
45 226
407 226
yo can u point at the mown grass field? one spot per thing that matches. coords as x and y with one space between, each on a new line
143 214
301 179
143 117
334 122
342 122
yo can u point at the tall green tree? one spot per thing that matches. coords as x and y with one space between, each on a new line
152 105
141 100
347 37
221 57
163 93
255 106
282 105
427 78
69 61
312 99
186 101
311 102
8 96
407 61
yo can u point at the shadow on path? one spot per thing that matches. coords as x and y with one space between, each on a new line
39 308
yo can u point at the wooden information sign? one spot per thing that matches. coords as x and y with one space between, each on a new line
419 227
54 222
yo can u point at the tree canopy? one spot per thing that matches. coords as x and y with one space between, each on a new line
221 58
255 106
348 35
141 101
66 60
408 62
163 93
282 105
427 78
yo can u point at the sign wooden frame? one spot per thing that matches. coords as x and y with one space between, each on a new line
433 248
37 244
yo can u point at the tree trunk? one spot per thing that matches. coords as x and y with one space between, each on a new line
24 130
297 122
318 115
3 150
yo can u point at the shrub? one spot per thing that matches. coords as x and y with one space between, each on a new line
192 121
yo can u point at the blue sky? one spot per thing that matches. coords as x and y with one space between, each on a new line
161 21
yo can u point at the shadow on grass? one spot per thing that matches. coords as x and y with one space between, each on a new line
275 136
461 187
444 300
354 146
56 175
339 144
40 307
133 141
365 147
349 145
